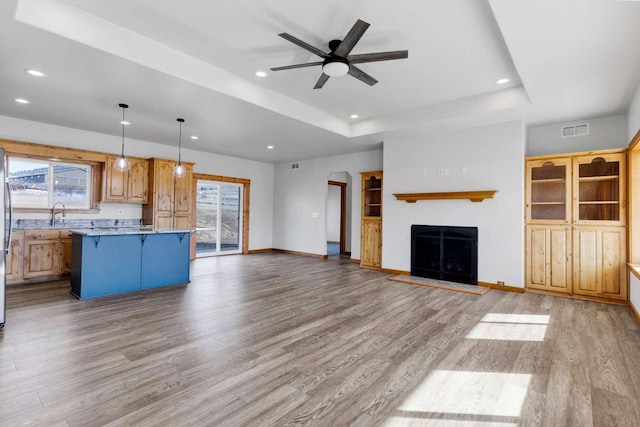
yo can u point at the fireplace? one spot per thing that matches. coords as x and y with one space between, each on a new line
445 253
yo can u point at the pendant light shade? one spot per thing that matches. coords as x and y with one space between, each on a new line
179 170
122 164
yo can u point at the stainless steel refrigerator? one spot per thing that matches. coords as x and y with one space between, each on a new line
5 234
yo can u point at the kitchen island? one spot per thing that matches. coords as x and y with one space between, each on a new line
120 260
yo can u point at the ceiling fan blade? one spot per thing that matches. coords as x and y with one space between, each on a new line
303 45
361 75
291 67
352 38
321 81
378 56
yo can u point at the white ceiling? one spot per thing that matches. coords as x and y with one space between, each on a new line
567 60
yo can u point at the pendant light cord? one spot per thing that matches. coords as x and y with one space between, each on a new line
123 131
180 145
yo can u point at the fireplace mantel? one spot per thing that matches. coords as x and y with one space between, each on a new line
474 196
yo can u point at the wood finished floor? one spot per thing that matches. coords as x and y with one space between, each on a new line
283 340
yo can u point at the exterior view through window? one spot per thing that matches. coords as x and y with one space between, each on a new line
41 183
218 218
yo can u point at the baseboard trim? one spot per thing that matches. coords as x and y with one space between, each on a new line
502 287
260 251
354 260
634 312
392 271
284 251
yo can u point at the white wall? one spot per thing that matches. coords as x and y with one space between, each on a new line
633 116
300 199
494 160
333 213
260 174
604 132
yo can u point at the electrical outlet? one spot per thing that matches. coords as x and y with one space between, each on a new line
500 283
120 212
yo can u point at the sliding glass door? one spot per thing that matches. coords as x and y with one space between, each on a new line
218 218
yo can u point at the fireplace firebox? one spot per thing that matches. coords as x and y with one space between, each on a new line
445 253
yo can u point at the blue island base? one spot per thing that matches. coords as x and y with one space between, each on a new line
111 263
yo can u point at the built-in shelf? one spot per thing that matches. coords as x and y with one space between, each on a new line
474 196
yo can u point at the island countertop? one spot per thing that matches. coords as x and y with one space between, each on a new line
114 231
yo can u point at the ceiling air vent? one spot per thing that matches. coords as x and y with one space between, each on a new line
575 130
295 166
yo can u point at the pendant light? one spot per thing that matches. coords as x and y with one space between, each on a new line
180 170
122 164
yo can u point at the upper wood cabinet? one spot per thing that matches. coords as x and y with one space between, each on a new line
169 206
599 189
130 186
549 195
371 221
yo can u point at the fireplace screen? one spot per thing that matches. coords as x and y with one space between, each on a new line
445 253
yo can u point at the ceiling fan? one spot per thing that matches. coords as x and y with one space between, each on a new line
337 62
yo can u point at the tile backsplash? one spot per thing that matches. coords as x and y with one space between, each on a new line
29 224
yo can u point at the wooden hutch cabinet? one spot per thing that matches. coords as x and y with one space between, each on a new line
576 224
169 206
371 226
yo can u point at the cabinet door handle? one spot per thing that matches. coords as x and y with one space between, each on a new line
42 235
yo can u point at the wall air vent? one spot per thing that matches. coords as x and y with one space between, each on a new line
575 130
295 166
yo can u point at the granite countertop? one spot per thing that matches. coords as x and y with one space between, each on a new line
114 231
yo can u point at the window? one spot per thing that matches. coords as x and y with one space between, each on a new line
38 184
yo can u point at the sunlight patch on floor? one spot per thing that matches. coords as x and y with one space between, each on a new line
402 421
510 327
466 392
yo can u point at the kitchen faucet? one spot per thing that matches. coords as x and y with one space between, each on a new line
54 212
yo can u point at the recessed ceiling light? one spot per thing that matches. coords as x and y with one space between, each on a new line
35 73
124 122
261 74
22 101
354 116
194 137
502 81
270 147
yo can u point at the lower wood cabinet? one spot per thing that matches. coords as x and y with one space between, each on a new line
599 258
13 263
371 247
587 261
549 258
41 254
37 255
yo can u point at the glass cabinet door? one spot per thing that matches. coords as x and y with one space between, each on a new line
598 189
372 196
548 192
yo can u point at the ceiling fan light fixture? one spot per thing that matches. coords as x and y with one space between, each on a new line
335 67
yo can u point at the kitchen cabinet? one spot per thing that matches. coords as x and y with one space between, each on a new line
169 206
576 224
13 264
131 186
38 255
371 220
64 252
41 255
